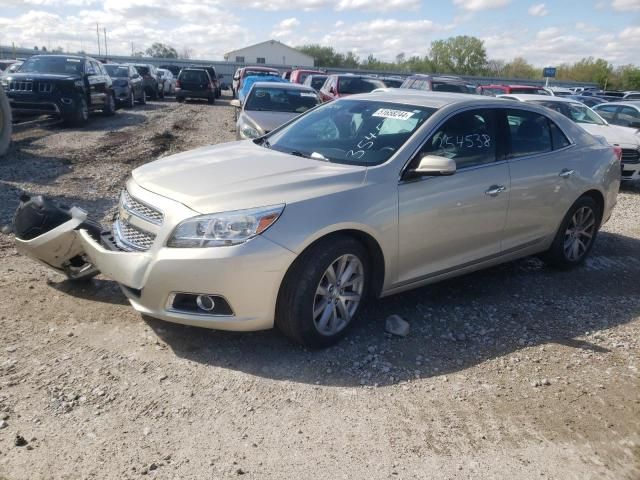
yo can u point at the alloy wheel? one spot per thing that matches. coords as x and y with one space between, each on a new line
579 233
338 295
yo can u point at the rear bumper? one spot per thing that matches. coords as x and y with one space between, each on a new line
181 93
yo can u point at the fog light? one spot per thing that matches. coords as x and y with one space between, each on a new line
199 304
205 302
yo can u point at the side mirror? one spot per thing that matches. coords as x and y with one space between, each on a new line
432 166
332 91
235 103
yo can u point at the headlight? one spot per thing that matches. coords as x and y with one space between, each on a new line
248 131
224 229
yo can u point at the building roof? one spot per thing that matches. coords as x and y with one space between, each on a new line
267 42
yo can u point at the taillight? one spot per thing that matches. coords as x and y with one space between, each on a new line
210 86
618 151
178 84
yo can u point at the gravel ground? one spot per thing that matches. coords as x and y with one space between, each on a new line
515 372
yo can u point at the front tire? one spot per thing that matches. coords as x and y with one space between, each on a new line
323 291
80 116
132 100
109 106
143 98
577 234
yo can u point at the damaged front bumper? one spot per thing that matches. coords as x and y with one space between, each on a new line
243 279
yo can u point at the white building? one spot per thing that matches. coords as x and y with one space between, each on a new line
271 52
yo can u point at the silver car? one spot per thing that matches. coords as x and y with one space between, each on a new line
365 196
269 105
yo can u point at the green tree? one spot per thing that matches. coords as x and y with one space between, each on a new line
160 50
520 68
462 55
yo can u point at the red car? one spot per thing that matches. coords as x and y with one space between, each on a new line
300 75
244 72
337 86
493 90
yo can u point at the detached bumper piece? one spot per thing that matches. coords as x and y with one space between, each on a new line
46 232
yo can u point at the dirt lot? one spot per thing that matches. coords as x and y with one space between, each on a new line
518 372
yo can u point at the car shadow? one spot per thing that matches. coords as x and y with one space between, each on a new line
455 324
631 187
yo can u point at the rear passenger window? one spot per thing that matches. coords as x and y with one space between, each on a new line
558 139
468 138
530 133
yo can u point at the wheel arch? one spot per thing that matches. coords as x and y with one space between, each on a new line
371 244
597 197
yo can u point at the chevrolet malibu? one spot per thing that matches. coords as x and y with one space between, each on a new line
365 196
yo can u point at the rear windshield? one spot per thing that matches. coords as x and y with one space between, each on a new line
392 82
577 112
142 70
116 70
448 87
259 73
51 64
272 99
193 76
358 85
317 82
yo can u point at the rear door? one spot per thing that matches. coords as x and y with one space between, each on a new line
450 222
545 172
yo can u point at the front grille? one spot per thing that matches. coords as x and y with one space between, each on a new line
45 87
141 210
630 156
130 238
20 86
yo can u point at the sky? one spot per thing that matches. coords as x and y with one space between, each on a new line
545 33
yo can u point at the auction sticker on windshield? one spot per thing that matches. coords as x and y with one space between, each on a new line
390 113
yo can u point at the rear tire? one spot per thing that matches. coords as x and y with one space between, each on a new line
180 99
154 94
315 307
5 123
212 99
575 237
143 99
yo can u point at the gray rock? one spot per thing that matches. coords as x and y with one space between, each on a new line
3 424
396 325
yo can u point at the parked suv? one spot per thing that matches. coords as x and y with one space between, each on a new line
337 86
127 84
68 86
195 83
438 84
213 76
152 83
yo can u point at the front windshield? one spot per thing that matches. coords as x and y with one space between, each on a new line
116 71
352 85
51 64
358 132
273 99
577 112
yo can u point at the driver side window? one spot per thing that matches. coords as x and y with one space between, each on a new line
468 137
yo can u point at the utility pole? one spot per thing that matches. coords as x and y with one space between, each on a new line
98 35
106 52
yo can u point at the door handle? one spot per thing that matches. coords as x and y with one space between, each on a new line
495 190
566 173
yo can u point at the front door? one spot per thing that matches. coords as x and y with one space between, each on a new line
453 221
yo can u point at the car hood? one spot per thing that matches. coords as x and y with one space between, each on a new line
268 121
240 175
27 77
613 134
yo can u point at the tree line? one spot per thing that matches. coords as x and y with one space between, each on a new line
466 55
